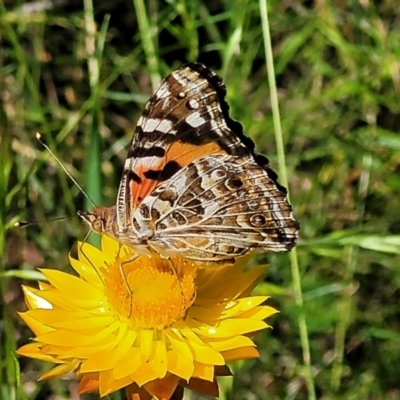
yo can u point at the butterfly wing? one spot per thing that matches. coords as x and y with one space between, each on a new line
185 119
219 207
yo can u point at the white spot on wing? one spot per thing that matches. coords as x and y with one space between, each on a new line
143 162
195 120
152 124
215 126
193 104
163 91
165 125
182 79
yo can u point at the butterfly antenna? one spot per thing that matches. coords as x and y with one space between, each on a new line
23 224
43 143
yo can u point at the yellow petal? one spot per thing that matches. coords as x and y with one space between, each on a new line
100 361
84 352
108 359
179 365
110 246
94 323
206 310
124 343
70 320
70 284
62 338
202 352
232 343
253 277
107 383
35 326
259 313
180 346
144 374
33 350
146 343
86 271
239 282
124 369
241 353
67 302
60 370
93 256
159 362
236 307
204 371
33 298
211 332
43 286
240 326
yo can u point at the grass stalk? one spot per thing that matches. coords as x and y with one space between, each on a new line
148 33
93 164
283 177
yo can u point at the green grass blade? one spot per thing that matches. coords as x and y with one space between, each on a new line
148 33
283 177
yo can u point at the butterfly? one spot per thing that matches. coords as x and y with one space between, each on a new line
192 184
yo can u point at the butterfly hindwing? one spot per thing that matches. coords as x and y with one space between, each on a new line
219 207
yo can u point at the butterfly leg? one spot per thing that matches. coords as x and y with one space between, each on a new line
81 250
184 306
125 279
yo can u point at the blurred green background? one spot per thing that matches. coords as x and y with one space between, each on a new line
80 72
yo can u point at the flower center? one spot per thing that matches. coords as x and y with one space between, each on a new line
151 292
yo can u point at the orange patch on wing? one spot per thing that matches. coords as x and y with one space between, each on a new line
140 190
183 154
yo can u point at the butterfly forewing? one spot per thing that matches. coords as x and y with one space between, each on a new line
185 119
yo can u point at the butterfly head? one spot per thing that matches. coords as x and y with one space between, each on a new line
100 219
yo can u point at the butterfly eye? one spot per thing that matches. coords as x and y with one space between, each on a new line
98 225
94 219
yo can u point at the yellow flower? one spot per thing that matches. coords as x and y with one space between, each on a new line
149 325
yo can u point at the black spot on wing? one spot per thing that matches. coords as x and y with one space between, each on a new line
204 134
169 170
197 136
139 152
132 176
195 207
233 183
155 136
153 174
145 211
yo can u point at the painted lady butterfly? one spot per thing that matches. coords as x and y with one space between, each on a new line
192 184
